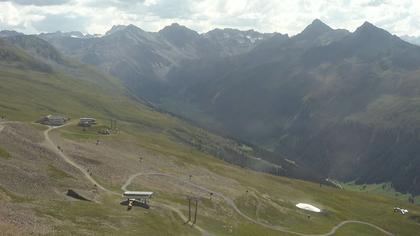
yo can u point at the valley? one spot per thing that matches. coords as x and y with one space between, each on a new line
327 99
248 124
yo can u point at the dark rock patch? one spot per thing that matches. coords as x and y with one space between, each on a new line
73 194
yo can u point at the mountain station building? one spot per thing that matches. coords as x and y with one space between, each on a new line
53 120
87 121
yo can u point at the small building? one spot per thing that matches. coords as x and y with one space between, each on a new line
134 197
53 120
87 121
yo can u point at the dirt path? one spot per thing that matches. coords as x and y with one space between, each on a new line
232 204
51 145
180 214
132 177
185 219
333 230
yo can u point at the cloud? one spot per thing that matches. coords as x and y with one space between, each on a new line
374 3
61 22
38 2
180 9
286 16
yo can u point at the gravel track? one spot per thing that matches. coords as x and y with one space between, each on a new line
51 145
232 204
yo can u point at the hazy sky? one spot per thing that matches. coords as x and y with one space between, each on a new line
284 16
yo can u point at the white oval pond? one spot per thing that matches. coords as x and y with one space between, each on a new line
308 207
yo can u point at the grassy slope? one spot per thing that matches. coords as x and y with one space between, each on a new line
385 189
27 94
275 197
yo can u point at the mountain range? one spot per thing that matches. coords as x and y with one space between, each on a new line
142 59
342 104
37 79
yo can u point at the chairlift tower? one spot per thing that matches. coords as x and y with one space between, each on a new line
113 124
196 199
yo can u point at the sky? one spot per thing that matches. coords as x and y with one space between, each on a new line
401 17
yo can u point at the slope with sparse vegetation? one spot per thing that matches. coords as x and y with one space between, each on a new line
186 160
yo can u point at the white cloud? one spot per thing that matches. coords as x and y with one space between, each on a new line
285 16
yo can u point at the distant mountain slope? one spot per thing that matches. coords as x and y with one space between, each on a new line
340 103
142 59
41 91
411 39
9 33
336 102
36 47
156 152
12 56
33 85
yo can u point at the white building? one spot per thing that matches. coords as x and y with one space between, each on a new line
87 121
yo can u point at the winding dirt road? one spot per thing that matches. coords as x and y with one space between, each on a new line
183 217
333 230
232 204
51 145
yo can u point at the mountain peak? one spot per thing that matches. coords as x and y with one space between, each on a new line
316 28
177 27
370 30
131 26
318 22
367 25
178 34
119 28
318 25
115 28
